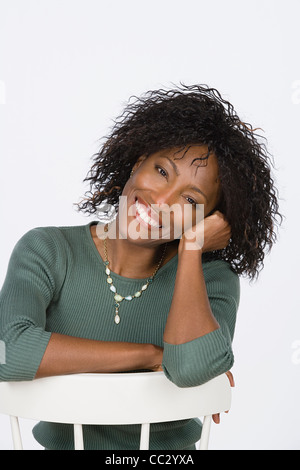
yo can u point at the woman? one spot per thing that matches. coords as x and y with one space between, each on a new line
146 291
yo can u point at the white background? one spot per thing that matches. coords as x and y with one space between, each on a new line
67 69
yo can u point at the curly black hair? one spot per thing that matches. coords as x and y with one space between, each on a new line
190 115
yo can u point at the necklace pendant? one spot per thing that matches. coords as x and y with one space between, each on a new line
117 317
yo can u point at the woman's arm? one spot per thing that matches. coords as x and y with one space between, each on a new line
190 316
70 355
34 274
201 321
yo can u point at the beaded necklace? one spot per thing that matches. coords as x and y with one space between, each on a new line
118 298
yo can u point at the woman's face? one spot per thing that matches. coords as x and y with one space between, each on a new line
167 193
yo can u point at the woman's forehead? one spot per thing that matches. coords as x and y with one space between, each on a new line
196 155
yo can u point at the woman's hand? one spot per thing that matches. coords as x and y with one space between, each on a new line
212 233
156 359
216 417
217 232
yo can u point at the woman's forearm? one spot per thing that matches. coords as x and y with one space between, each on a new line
70 355
190 315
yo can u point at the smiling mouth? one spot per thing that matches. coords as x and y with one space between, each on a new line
143 210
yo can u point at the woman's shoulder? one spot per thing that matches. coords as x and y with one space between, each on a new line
51 232
219 276
213 261
49 241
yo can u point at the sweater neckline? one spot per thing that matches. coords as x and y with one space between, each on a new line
166 266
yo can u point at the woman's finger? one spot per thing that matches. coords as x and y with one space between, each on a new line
230 377
216 418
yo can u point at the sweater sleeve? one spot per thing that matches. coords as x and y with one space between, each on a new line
200 360
29 286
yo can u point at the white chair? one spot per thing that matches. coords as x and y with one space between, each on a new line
127 398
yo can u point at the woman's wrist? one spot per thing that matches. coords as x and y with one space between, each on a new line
189 248
137 356
146 356
154 357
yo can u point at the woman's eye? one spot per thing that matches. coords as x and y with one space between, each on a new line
191 201
161 171
164 174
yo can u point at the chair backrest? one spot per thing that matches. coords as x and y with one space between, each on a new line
123 398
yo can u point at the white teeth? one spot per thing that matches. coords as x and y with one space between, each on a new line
143 215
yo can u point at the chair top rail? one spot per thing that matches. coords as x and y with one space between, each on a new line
121 398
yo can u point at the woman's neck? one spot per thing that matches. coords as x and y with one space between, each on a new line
130 258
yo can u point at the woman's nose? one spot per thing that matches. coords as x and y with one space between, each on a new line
163 198
170 209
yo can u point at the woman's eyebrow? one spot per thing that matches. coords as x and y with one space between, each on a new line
175 167
199 191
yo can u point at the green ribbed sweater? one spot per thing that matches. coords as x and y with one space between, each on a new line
56 283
